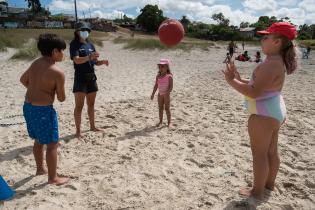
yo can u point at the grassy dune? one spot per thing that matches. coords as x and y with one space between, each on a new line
20 39
154 43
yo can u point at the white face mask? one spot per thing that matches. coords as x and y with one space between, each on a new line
84 34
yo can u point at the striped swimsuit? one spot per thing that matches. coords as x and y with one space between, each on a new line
269 104
163 84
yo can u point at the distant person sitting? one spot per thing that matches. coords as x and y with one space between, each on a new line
243 57
228 58
258 57
308 50
305 53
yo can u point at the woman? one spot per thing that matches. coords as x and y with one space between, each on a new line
84 57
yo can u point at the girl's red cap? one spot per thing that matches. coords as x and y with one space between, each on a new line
282 28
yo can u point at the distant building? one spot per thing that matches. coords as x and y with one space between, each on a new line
248 32
65 17
3 8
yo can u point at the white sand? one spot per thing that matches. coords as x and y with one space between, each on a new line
199 164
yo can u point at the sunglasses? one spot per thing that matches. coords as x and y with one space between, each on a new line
84 29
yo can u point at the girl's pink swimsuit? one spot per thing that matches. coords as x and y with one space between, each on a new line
163 84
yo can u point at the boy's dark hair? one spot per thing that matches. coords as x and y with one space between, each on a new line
48 42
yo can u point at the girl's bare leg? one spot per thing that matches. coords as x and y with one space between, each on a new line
274 161
260 131
167 102
161 108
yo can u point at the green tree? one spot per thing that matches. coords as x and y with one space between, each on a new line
35 6
127 19
219 17
150 17
185 21
244 25
305 32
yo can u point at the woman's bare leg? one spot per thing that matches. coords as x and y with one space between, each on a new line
79 103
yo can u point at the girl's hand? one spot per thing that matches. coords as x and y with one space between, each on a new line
152 97
229 72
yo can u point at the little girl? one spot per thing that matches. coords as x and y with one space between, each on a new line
265 103
164 82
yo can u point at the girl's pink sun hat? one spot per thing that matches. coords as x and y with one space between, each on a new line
164 61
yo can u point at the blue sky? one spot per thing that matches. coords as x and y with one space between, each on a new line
300 11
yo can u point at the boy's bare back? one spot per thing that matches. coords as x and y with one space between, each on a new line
43 79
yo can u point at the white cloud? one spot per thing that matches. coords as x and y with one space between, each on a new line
288 3
308 5
260 5
299 11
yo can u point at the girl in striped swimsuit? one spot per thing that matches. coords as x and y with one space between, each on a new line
164 83
265 104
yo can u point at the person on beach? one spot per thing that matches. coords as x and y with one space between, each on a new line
258 57
231 48
227 59
43 80
265 103
164 83
243 57
84 57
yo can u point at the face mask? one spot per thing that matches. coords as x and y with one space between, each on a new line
84 34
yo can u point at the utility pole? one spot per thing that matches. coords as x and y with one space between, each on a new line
75 9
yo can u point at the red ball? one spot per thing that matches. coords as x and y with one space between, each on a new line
171 32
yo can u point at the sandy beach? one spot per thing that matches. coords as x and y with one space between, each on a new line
200 163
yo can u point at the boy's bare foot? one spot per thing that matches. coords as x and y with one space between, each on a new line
270 187
96 129
41 171
159 124
59 180
78 135
250 193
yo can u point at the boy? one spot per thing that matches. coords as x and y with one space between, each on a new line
43 79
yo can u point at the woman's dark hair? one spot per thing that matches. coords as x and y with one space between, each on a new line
77 37
48 42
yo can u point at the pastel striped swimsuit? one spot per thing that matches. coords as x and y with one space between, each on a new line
270 104
163 84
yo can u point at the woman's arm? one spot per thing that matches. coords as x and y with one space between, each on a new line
102 62
81 60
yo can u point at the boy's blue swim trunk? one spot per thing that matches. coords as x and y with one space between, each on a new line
42 123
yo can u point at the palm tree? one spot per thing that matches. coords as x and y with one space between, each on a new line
34 5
